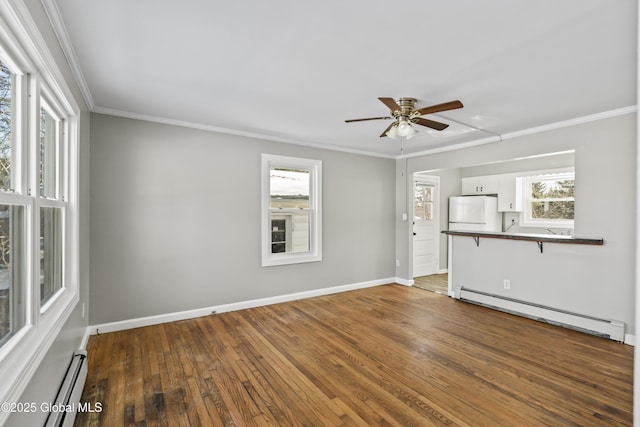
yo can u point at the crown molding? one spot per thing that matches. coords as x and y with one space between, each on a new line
529 131
228 131
57 23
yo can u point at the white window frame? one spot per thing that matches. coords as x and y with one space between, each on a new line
58 199
27 55
526 220
315 210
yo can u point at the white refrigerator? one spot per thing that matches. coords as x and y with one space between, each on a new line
474 213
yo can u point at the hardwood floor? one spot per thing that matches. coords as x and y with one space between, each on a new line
390 355
438 283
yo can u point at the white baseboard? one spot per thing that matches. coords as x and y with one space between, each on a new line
85 338
405 282
191 314
443 271
630 339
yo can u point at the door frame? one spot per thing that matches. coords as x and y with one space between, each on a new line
435 181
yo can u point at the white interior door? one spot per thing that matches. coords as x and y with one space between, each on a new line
425 226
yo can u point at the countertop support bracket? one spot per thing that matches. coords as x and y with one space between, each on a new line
477 240
540 246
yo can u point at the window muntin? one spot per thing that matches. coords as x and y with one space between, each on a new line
549 200
291 210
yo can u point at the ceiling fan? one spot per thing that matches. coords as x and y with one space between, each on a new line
404 114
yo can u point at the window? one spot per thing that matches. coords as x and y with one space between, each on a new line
423 201
51 198
38 203
291 210
549 200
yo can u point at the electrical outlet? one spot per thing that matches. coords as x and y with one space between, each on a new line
397 263
507 283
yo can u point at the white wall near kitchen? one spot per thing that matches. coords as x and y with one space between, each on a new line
605 153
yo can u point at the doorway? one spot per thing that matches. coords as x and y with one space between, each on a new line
426 229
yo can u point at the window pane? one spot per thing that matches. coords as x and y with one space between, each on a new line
552 189
48 151
289 188
7 109
290 232
423 200
553 210
50 252
12 309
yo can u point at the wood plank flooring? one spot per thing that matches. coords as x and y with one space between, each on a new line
438 283
384 356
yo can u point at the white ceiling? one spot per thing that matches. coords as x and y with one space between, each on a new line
294 71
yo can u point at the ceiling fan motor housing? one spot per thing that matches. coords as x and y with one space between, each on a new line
407 106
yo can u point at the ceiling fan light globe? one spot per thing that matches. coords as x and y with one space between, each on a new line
405 129
412 133
393 132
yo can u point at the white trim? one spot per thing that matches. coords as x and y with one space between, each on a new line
529 131
572 122
404 282
535 176
314 254
630 339
22 355
51 8
45 65
443 271
34 343
481 141
242 305
228 131
85 338
434 180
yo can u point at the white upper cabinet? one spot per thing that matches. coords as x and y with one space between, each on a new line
509 193
480 185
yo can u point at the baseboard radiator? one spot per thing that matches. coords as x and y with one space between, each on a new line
611 329
65 406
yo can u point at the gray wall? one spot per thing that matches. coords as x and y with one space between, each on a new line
175 220
605 153
46 381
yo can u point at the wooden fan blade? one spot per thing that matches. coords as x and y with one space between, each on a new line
369 118
430 123
383 134
451 105
391 104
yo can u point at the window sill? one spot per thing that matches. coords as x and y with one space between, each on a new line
271 260
21 356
